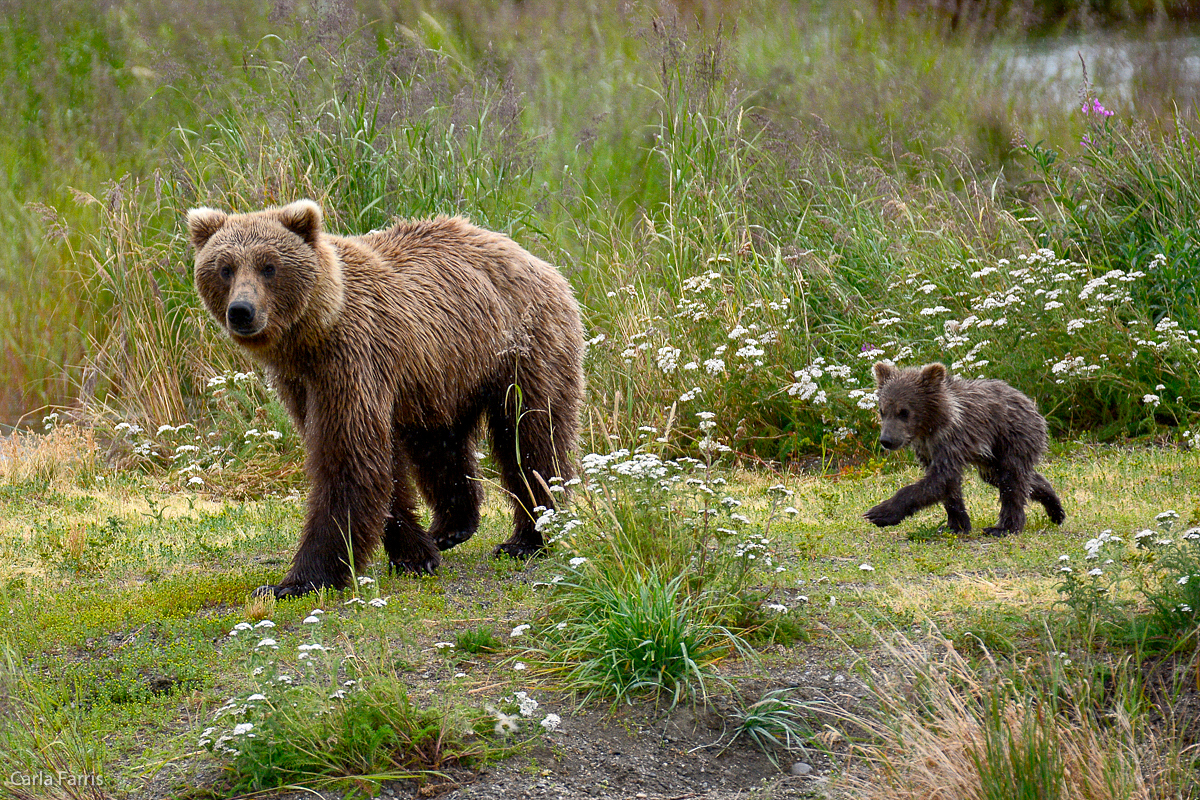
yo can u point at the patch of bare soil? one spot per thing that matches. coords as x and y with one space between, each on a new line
686 752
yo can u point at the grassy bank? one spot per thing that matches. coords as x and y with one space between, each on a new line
131 645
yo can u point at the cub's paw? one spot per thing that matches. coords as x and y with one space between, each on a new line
957 527
286 590
996 530
884 515
449 539
427 566
517 550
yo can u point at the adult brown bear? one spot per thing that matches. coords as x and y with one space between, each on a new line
950 423
387 349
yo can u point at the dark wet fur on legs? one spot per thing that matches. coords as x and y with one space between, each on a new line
388 350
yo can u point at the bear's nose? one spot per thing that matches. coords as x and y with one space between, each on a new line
889 443
240 316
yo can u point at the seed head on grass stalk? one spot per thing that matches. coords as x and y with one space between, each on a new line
946 728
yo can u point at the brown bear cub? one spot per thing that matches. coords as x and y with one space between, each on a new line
950 423
387 350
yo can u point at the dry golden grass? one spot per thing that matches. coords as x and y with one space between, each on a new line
67 456
260 607
946 730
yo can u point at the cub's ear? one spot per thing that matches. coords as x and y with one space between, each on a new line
933 374
302 218
884 372
202 224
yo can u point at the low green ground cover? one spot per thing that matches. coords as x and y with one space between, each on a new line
140 651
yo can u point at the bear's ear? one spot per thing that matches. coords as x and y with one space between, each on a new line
302 218
933 374
884 372
202 224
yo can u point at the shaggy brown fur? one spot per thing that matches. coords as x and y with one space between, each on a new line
950 423
387 349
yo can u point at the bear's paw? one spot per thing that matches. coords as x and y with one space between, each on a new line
516 549
885 515
426 566
449 539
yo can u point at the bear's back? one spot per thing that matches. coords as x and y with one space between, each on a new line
452 248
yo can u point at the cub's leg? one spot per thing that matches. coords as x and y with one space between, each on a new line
938 486
957 518
1013 484
1042 492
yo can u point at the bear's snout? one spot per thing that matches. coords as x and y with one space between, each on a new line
889 443
242 318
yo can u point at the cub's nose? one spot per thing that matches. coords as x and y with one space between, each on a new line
241 317
889 443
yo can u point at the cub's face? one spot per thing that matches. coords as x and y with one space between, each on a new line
255 272
911 402
897 415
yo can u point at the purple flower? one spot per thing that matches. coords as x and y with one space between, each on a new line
1095 107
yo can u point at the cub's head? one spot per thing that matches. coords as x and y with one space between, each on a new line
261 273
914 403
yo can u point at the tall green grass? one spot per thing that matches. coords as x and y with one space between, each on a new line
737 206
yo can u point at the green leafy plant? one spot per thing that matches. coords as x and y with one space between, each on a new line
476 640
1141 590
774 722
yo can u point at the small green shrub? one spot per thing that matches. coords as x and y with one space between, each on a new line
1143 591
774 722
666 575
636 633
328 718
476 640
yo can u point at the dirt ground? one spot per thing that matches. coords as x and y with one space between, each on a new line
640 752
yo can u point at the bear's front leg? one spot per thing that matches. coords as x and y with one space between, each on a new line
349 468
957 518
935 487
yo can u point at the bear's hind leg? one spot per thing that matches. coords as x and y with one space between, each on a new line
409 547
1014 493
446 471
1042 492
527 443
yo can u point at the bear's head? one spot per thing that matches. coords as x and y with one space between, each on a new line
260 274
914 403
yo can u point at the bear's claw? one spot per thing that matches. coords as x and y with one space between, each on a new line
996 530
427 566
451 539
286 590
883 516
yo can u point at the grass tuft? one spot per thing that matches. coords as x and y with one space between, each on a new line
947 728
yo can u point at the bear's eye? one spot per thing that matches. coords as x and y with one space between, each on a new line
902 414
268 271
226 271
